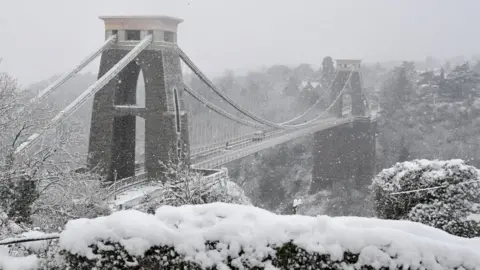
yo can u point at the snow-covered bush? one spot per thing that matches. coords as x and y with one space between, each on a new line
229 192
186 186
225 236
444 195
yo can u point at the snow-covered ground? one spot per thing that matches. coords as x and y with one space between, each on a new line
8 262
134 193
30 262
186 228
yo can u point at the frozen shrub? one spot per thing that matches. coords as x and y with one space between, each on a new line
441 194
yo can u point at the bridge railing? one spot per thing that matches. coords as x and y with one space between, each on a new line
208 149
141 179
218 145
222 144
124 184
269 141
212 148
218 177
249 140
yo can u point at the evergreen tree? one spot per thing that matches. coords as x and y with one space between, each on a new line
279 73
461 83
303 72
426 78
396 91
404 152
447 67
24 195
308 96
328 72
394 121
292 87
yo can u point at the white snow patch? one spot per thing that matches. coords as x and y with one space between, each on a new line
186 228
8 262
134 193
297 202
474 217
36 246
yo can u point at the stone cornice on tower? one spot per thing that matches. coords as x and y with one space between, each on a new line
145 22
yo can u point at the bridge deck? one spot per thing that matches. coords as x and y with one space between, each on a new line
249 146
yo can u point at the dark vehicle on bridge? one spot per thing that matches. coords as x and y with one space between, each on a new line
258 135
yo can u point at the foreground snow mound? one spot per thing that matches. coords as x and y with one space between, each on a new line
225 236
8 262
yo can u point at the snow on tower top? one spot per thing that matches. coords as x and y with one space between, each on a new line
132 29
145 22
348 63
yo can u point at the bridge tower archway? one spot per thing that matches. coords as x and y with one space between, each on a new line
346 104
348 76
112 133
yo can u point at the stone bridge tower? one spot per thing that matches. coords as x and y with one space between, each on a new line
346 152
112 132
353 83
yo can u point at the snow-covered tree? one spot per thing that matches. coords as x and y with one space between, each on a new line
397 91
441 194
28 180
182 185
291 89
462 82
70 196
308 96
279 73
18 175
394 123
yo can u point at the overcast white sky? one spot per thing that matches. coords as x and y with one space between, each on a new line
42 38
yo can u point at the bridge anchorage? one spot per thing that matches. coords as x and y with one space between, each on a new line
344 145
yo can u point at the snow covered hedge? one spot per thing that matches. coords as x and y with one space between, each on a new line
453 207
226 236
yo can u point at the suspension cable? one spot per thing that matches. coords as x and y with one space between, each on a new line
225 97
433 188
219 110
94 88
316 103
219 92
61 80
203 100
340 94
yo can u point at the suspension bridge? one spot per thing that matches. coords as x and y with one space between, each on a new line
185 125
